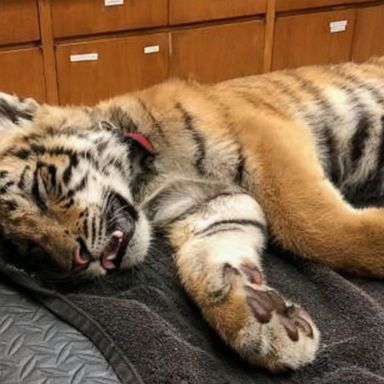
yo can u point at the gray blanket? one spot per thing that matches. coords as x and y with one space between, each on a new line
151 332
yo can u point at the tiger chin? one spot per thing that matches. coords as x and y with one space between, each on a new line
218 169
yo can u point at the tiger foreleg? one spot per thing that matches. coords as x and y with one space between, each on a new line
219 234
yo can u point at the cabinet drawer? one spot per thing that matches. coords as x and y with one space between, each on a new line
217 53
186 11
89 72
74 17
369 33
23 61
287 5
321 38
18 21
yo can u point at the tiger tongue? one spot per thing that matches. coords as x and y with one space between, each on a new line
107 264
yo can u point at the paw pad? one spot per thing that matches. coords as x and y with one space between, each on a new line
264 303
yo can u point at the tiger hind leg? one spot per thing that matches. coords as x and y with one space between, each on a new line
306 212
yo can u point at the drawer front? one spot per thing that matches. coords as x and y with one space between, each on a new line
74 17
23 61
18 21
320 38
217 53
89 72
287 5
369 33
186 11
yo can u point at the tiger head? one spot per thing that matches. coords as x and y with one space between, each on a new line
66 188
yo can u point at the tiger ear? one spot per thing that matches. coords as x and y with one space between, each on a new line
15 113
107 126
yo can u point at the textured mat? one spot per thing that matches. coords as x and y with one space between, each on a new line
38 348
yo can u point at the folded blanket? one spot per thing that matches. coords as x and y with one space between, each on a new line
150 332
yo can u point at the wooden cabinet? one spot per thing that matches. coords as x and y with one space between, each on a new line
216 53
185 11
317 38
88 72
22 73
287 5
369 33
74 17
18 21
94 49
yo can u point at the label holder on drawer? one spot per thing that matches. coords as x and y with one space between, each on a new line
151 49
338 26
83 57
112 3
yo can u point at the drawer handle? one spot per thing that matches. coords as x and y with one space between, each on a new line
151 49
84 57
338 26
111 3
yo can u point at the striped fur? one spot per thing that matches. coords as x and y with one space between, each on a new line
286 153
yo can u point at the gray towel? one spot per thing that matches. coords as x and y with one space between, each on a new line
163 335
152 333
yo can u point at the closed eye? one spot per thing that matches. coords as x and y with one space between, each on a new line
38 191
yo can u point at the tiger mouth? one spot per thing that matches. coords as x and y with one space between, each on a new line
112 255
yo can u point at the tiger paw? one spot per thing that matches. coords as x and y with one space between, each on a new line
258 322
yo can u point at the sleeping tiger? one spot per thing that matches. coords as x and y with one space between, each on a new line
216 168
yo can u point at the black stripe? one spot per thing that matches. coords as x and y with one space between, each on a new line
358 83
195 208
200 153
38 149
358 140
5 187
286 89
52 172
36 193
257 102
154 121
244 222
21 183
380 154
100 229
73 162
11 205
85 223
220 230
69 204
8 112
93 230
240 169
22 153
121 119
370 191
329 141
32 137
311 89
3 174
81 185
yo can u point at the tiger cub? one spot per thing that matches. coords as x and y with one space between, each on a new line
215 167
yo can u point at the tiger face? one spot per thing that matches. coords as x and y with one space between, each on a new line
66 186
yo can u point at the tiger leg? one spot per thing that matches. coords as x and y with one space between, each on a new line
218 234
306 213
